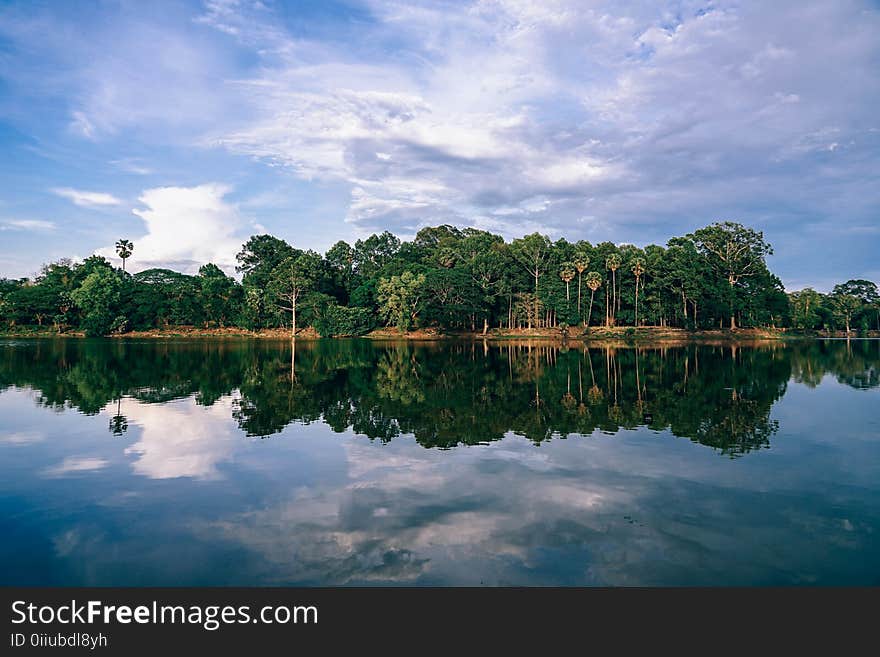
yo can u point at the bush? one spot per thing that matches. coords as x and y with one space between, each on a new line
333 320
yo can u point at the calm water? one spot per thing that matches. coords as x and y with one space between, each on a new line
349 462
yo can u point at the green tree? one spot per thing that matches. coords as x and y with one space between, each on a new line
734 252
98 297
258 259
291 280
594 282
612 262
532 252
566 273
402 298
580 261
638 269
124 249
340 259
845 306
805 305
866 292
220 295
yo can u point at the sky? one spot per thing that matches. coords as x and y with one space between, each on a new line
188 126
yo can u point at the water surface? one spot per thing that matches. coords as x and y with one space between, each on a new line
350 462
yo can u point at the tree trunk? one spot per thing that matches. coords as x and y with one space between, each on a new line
636 322
613 295
537 316
732 318
607 309
592 294
293 316
485 325
580 275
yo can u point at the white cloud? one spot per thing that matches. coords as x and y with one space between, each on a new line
74 464
649 119
86 199
21 437
81 125
27 224
667 110
132 165
186 228
210 437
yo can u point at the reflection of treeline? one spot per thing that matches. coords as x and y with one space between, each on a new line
853 363
448 394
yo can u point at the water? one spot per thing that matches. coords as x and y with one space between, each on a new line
351 462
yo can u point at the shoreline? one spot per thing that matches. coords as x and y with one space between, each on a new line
627 335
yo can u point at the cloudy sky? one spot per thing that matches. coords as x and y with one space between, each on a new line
188 126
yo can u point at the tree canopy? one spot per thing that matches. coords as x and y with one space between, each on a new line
458 279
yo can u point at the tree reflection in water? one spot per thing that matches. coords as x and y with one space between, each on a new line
447 393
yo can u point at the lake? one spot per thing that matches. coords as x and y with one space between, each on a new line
350 462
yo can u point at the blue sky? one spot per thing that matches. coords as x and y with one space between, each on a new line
188 126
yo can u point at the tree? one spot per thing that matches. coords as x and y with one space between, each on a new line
613 263
291 280
124 249
566 273
401 299
638 269
373 253
487 268
340 258
98 297
258 259
866 292
581 261
531 252
594 282
845 306
220 295
805 306
734 252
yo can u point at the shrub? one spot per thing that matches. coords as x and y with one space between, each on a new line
332 320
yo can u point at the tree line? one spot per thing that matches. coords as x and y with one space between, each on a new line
446 277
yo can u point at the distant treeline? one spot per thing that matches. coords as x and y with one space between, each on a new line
450 278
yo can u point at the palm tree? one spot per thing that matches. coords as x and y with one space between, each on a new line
566 273
638 269
124 249
613 262
594 282
580 261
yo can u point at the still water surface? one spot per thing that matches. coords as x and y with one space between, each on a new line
351 462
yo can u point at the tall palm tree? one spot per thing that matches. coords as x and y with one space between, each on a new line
594 282
124 250
580 261
566 273
613 263
638 269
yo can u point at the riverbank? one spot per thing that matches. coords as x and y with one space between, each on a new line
628 334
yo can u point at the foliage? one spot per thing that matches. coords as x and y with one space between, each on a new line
333 320
402 298
452 278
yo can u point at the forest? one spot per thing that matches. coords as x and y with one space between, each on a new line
455 280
